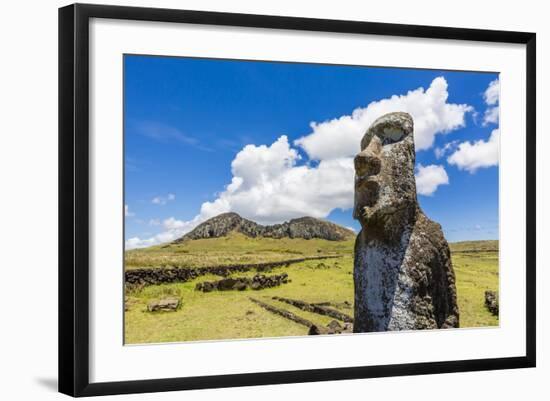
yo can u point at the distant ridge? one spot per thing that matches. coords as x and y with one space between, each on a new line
303 227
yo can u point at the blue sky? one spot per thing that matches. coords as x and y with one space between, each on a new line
273 141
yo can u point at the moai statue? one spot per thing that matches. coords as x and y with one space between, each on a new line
404 278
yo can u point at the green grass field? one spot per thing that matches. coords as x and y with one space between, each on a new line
231 314
476 269
233 249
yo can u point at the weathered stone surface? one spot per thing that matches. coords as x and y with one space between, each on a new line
404 279
167 304
334 327
205 287
257 282
282 312
240 286
316 330
160 275
303 227
225 284
255 286
491 302
316 308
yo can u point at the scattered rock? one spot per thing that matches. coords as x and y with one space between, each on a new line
284 313
206 287
314 329
255 286
333 327
167 304
316 308
225 284
136 279
491 302
240 286
348 328
258 282
404 278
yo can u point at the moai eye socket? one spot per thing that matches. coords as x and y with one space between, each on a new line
392 135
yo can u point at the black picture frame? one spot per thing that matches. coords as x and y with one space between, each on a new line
74 198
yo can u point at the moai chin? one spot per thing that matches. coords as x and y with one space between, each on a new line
404 278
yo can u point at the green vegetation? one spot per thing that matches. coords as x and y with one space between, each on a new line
476 269
231 314
233 249
490 246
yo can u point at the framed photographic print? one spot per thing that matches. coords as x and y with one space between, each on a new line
250 199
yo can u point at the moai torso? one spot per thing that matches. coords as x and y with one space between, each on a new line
404 279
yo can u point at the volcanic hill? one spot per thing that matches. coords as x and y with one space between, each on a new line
303 227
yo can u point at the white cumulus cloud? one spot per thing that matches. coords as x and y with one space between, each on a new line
136 242
271 184
443 150
269 187
471 156
432 114
492 98
428 178
127 212
163 200
492 93
491 115
173 229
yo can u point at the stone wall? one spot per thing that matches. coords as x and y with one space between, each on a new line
161 275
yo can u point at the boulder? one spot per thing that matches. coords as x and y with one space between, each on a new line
240 286
403 275
226 284
317 330
491 302
167 304
206 286
256 285
334 325
348 328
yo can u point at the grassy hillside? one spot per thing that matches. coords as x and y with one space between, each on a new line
476 269
231 314
233 249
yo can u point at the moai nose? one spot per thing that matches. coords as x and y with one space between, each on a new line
367 163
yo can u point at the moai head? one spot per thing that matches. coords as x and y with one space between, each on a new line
385 188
